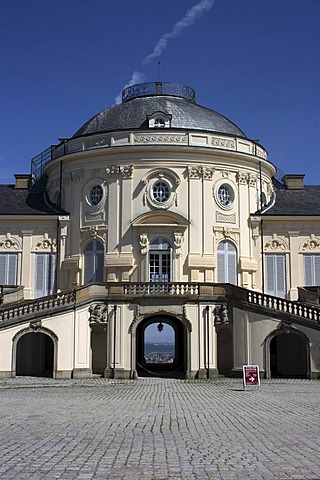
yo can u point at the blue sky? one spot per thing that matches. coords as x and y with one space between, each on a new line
255 61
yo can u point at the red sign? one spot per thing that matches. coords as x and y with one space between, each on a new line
251 377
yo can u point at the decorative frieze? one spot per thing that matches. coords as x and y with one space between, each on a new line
46 243
225 218
311 244
276 244
92 217
10 242
159 138
223 143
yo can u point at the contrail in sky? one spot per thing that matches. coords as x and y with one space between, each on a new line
192 15
189 19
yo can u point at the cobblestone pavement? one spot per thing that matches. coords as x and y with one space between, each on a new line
159 429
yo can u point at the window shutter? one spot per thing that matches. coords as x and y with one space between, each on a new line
12 268
3 261
316 269
281 276
308 277
39 275
270 274
52 265
221 266
231 264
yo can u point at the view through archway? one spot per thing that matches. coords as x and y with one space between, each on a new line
161 348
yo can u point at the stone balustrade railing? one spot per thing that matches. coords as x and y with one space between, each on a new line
165 288
32 307
120 291
283 305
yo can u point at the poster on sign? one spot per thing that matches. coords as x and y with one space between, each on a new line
251 377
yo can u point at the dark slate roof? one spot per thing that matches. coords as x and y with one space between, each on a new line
133 115
21 201
302 202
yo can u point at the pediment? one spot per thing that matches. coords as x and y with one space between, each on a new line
161 218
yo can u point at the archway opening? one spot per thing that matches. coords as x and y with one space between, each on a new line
35 354
99 349
161 348
288 356
225 351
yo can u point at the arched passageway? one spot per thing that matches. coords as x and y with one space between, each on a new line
289 354
35 355
225 351
161 347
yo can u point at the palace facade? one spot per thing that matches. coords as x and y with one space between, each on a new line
159 211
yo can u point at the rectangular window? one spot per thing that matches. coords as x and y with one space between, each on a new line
45 274
311 269
275 273
8 268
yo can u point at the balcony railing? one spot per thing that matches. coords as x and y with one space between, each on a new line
205 292
286 306
143 289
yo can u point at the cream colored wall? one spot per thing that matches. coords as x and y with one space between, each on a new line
196 174
28 236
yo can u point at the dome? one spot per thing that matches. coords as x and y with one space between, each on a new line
174 100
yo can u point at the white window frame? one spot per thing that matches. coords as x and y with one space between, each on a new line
227 263
158 245
311 269
275 274
96 257
44 274
8 268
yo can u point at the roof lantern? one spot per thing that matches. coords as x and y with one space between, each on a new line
158 88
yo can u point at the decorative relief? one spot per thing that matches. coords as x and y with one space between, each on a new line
242 178
224 143
276 243
225 173
46 243
198 172
194 172
311 244
178 241
207 173
10 242
144 242
223 217
147 138
76 175
252 179
91 217
125 171
221 315
98 315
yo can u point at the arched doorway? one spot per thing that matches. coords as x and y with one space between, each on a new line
161 347
35 355
289 355
224 351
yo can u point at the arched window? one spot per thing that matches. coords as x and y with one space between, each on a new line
160 260
93 262
226 263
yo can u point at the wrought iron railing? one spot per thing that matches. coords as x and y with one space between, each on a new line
158 88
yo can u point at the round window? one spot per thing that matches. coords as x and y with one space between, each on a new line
225 195
161 192
95 195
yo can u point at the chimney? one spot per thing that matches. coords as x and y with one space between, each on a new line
293 181
22 180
